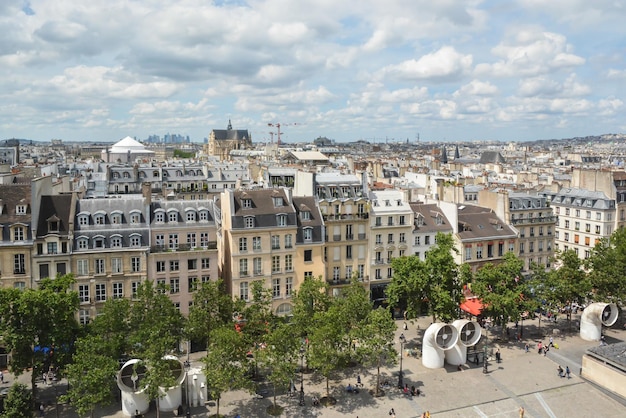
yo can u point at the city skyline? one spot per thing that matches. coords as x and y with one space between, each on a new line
446 71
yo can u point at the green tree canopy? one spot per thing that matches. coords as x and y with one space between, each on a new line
501 289
42 318
433 281
606 266
18 403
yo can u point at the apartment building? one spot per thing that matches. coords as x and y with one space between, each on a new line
345 208
110 250
427 221
54 236
310 243
258 234
584 217
532 216
17 238
482 237
391 224
183 250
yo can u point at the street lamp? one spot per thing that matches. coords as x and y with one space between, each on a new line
187 365
402 341
54 380
302 376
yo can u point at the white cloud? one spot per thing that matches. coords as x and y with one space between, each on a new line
443 64
103 68
529 52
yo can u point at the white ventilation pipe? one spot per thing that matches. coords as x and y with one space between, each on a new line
437 338
594 316
173 397
469 335
130 381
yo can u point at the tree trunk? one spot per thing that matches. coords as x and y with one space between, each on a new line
327 387
218 407
158 410
274 386
377 377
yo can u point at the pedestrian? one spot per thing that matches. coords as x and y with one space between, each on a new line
545 350
392 413
551 342
526 347
1 377
498 356
358 380
521 412
539 347
406 327
567 371
42 410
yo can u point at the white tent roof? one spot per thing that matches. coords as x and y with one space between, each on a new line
128 143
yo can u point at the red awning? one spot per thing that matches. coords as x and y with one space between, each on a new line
472 306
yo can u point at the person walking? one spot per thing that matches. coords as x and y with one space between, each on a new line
539 347
498 357
567 371
1 377
551 342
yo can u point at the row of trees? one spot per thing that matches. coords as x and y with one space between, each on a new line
39 328
438 284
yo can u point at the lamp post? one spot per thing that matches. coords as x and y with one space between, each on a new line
54 382
301 376
402 341
187 365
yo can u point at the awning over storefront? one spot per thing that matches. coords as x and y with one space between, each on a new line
472 306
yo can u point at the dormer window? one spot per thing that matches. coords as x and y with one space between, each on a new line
307 234
82 243
305 216
191 216
204 215
419 220
135 218
249 221
21 209
135 240
281 220
278 201
99 219
116 218
116 241
438 220
155 174
53 224
83 220
116 175
159 216
18 233
98 242
246 203
126 175
172 216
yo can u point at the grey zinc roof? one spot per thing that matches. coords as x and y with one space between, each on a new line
59 206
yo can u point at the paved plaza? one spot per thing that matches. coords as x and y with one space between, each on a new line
527 380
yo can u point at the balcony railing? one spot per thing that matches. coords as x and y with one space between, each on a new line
362 236
345 281
349 237
543 219
336 237
345 217
210 245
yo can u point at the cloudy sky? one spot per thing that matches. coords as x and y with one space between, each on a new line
452 70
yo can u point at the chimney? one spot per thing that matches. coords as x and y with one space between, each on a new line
146 191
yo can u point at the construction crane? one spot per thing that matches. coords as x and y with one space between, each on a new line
277 126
